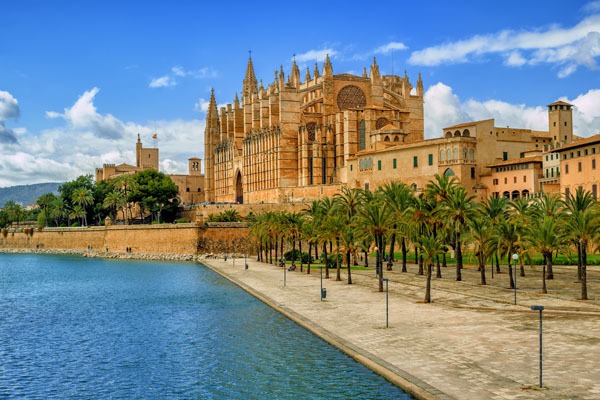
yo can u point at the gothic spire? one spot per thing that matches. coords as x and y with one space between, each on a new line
250 83
327 68
316 73
419 86
307 77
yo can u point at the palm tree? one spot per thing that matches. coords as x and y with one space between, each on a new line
83 197
430 246
549 206
495 211
399 197
59 210
481 238
583 220
456 210
114 201
77 213
376 220
45 202
506 241
547 235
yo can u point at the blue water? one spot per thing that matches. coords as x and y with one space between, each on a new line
77 328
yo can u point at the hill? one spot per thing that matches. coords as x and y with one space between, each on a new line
27 194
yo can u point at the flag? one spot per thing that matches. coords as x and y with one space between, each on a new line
155 136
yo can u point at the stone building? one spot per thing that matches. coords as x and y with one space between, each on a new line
302 139
292 140
580 165
190 186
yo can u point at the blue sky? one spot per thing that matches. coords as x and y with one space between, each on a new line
80 80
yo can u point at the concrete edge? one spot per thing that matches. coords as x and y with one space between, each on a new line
407 382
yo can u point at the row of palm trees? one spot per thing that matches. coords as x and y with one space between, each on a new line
442 217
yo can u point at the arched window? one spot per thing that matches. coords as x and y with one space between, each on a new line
449 153
455 153
457 134
525 193
396 138
361 141
442 155
464 154
387 139
515 194
449 172
466 133
506 195
414 187
472 154
448 134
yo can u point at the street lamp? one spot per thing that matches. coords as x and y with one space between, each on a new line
245 260
386 280
515 257
284 270
540 309
323 290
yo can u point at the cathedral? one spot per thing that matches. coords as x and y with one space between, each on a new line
297 140
292 140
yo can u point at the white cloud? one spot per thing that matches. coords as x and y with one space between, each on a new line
80 146
444 108
202 105
566 48
83 117
9 106
592 7
389 47
315 55
163 81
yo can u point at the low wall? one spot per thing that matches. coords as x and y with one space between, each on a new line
149 239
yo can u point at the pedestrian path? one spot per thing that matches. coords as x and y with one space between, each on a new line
472 342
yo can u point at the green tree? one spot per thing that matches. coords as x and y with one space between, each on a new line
114 202
82 197
155 192
45 203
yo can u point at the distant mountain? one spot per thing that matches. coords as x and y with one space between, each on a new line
27 194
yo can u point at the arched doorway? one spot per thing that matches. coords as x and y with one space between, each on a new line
239 191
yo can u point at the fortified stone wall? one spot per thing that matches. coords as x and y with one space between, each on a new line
148 239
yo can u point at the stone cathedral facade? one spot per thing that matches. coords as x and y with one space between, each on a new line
293 140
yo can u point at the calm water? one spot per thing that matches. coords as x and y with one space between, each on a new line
90 328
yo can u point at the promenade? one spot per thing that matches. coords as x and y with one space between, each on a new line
471 342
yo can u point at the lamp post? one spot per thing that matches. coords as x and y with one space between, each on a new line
515 257
284 270
323 291
245 260
540 309
386 280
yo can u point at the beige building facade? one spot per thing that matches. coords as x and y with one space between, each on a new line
580 165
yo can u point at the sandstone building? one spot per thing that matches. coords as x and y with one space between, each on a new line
190 186
300 139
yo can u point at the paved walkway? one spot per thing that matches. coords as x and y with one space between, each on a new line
472 342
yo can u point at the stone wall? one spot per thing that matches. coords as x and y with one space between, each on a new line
148 239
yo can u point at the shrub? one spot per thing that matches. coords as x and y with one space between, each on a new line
295 255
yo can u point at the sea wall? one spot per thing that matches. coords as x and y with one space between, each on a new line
210 238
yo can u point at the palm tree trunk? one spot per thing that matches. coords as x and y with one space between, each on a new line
300 249
497 265
392 245
584 295
458 258
404 254
548 261
309 257
428 285
522 267
421 265
349 271
438 270
482 268
579 261
380 262
417 256
338 276
550 274
444 261
326 260
510 275
366 258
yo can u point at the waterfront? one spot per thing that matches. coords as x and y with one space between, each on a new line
72 327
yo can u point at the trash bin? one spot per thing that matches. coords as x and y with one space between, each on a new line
324 293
